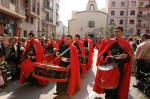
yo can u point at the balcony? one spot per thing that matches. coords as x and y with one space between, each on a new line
47 20
47 8
57 4
143 16
14 10
57 14
57 23
144 25
146 7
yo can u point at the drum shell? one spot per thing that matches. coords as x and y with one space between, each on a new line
109 79
51 73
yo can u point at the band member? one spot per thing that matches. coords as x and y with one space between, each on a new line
120 47
50 50
88 46
33 52
69 59
62 41
81 51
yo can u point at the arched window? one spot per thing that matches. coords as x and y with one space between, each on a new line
91 7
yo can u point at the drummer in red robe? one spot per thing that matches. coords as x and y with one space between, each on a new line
33 53
81 52
117 46
50 50
62 41
69 59
88 47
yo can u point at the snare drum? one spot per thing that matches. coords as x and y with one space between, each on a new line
109 75
51 72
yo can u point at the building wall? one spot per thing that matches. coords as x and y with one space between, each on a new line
81 21
127 16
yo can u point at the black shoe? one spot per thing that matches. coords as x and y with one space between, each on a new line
56 93
135 86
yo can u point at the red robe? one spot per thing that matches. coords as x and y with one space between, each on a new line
51 58
103 44
39 58
74 79
125 83
60 41
81 46
91 50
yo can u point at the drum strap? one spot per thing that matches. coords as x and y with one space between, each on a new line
64 52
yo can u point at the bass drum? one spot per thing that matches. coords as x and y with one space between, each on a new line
51 72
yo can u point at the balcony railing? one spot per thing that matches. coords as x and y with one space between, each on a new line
17 8
44 18
47 7
57 14
146 6
20 10
143 25
57 5
57 23
5 3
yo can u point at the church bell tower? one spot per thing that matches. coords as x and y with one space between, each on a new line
92 5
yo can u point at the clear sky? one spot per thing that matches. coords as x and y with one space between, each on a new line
66 7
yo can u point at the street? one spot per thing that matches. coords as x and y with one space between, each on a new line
18 91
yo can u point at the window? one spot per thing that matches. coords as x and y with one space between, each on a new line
131 30
33 5
133 3
141 3
113 4
112 12
121 13
147 31
27 18
132 12
131 21
38 12
12 1
138 31
140 12
122 4
121 21
32 20
92 7
25 33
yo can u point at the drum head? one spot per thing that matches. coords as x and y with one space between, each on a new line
107 66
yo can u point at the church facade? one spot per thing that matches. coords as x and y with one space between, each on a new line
86 21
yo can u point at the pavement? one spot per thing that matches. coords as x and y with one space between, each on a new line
24 91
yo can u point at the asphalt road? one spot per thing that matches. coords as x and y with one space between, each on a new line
18 91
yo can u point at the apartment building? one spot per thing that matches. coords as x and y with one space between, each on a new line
41 17
133 15
49 17
11 13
